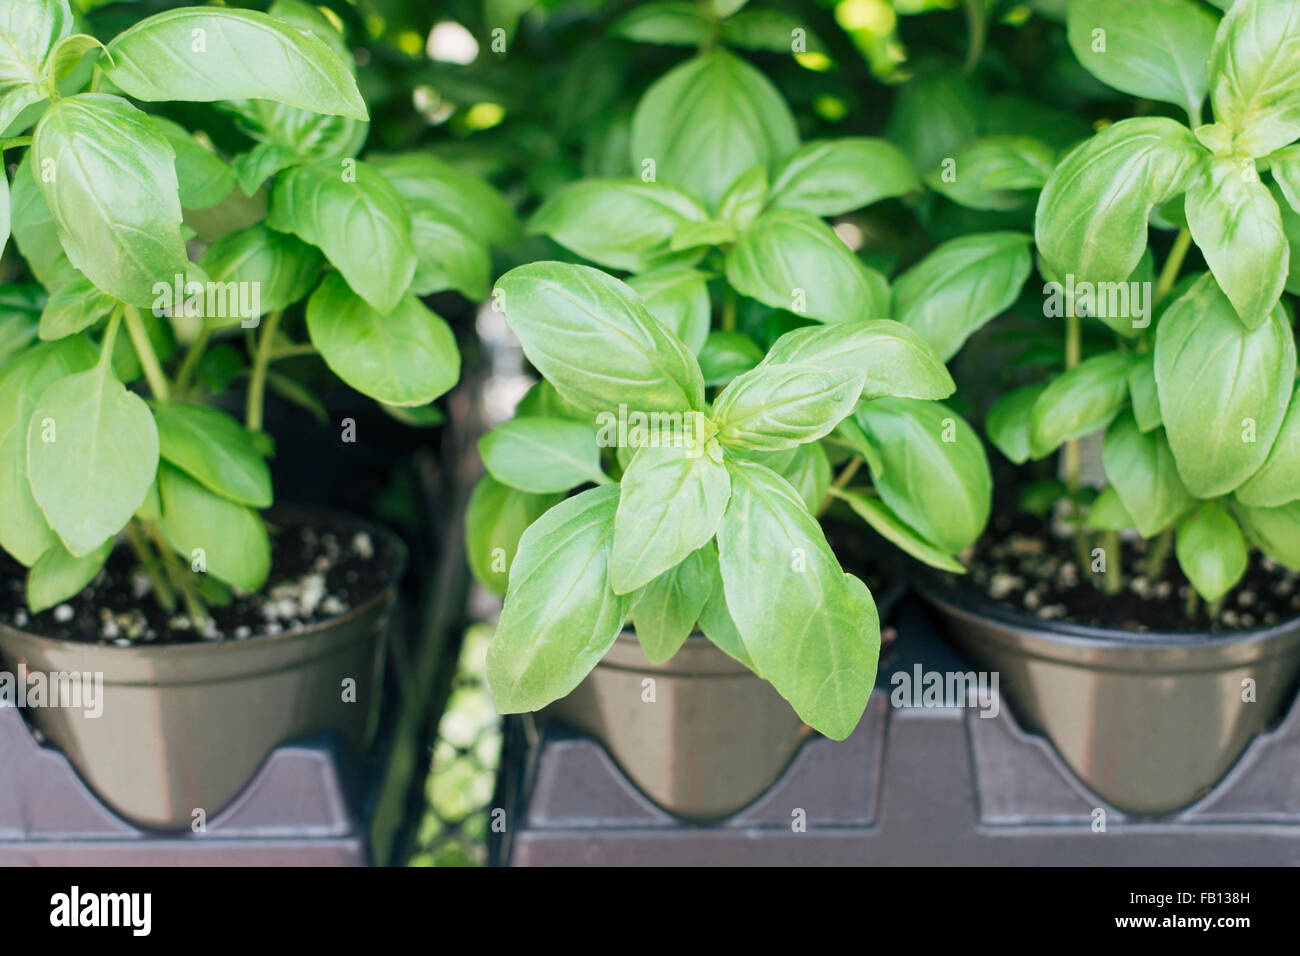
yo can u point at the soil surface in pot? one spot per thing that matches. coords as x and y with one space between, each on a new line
319 570
1020 563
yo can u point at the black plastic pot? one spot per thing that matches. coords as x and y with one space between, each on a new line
1150 722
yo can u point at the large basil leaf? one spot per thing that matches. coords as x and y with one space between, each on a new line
1010 419
281 267
779 406
1092 214
59 575
1142 390
441 191
1275 531
1238 228
707 121
715 617
212 448
204 178
934 115
667 609
934 474
562 312
1254 84
995 172
1157 49
231 536
542 455
446 258
1141 469
619 223
208 53
1223 388
27 32
665 22
960 286
1211 550
406 356
810 629
792 260
560 614
895 359
672 500
892 528
834 176
35 232
357 220
1278 480
679 298
1081 401
106 174
494 521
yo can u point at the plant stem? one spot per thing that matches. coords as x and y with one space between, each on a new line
1070 450
179 575
841 480
191 363
729 310
257 381
1169 274
1154 568
149 564
293 351
1114 563
110 335
1190 605
144 351
1214 607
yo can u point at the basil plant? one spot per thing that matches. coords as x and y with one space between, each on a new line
1195 394
101 207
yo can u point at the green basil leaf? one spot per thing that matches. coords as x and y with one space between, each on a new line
810 629
542 455
215 450
692 235
1277 481
707 121
670 22
726 355
1140 467
933 116
446 258
543 401
806 467
260 163
1142 390
679 298
725 8
672 500
92 450
792 260
1107 511
27 34
1009 421
1092 214
35 232
220 54
281 267
779 406
20 107
20 315
1223 388
559 311
960 286
1253 81
1211 550
997 172
58 575
352 215
1238 228
406 356
66 57
443 192
1157 50
1081 401
1275 531
895 359
666 610
834 176
774 31
1285 164
231 537
935 474
744 198
715 617
560 614
106 174
73 307
619 223
894 530
204 178
496 517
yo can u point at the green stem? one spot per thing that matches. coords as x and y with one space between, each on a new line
1215 606
144 351
257 381
841 480
180 578
149 564
191 363
729 310
110 335
1169 274
1190 605
293 351
1154 568
1070 450
1114 563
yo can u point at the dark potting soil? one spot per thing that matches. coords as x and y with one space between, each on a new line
1021 563
318 572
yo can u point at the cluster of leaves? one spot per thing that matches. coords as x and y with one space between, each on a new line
103 204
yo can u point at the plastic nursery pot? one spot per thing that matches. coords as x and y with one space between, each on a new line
1149 721
186 726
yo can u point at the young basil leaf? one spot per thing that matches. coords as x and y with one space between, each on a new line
559 310
744 198
35 232
792 260
20 106
774 31
1285 165
1009 421
1140 467
933 115
806 467
726 355
1275 531
1277 481
679 298
348 211
441 191
834 176
1157 49
221 54
106 174
1223 388
542 455
24 532
281 267
960 286
935 474
58 575
215 450
1092 214
895 359
1107 512
1083 400
29 31
406 356
1142 390
994 172
446 258
715 617
894 530
1238 228
260 163
225 539
495 519
669 22
1254 85
672 500
73 307
666 610
693 235
1211 550
560 614
707 121
92 450
619 223
204 178
779 406
811 630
